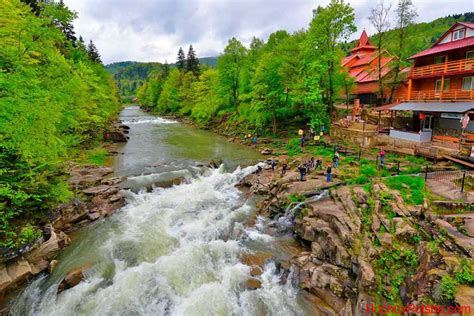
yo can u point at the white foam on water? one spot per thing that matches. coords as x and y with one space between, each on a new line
156 120
172 251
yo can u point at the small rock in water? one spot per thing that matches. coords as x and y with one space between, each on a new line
266 151
52 265
253 284
73 278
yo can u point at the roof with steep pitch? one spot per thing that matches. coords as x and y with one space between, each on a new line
439 47
363 43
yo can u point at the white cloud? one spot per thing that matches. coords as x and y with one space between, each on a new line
153 30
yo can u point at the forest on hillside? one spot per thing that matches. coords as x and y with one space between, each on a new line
290 77
130 75
56 98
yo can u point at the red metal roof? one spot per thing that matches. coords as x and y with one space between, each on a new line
363 44
469 41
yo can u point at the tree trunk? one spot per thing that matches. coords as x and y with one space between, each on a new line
274 121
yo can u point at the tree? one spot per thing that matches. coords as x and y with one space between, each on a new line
330 26
379 19
169 100
54 101
229 66
93 53
181 62
207 101
405 16
192 62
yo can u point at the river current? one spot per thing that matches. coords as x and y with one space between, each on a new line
174 250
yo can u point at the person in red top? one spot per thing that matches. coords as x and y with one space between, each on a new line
382 156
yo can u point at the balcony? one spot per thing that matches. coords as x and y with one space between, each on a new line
450 67
449 95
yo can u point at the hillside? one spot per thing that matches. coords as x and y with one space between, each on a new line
114 68
130 75
420 36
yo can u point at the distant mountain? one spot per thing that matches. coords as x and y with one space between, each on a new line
114 68
210 61
130 75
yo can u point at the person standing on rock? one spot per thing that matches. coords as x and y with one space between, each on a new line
335 160
329 174
382 156
319 163
302 170
254 140
273 164
303 140
283 169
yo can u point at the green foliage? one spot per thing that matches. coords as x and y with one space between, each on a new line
53 98
293 147
368 171
97 156
284 79
411 188
27 235
465 274
448 287
295 198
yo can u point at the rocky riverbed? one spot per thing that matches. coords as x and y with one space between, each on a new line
367 246
96 195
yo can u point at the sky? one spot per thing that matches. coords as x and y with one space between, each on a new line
153 30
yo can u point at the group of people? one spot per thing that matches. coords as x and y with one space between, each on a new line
306 167
312 134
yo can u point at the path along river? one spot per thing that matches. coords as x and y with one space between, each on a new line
175 250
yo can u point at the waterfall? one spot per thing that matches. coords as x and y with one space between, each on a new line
171 251
288 218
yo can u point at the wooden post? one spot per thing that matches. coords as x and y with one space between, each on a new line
409 89
378 123
442 88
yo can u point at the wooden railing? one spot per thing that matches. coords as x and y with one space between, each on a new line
454 66
450 95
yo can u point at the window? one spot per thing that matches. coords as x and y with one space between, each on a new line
428 122
439 59
438 85
470 54
467 83
457 35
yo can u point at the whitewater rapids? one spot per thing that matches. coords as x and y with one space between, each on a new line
172 251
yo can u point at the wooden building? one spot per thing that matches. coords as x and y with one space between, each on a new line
362 65
441 87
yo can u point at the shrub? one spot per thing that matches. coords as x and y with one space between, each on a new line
448 287
361 179
293 147
368 171
411 188
464 275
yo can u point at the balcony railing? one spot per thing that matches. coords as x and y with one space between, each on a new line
455 66
449 95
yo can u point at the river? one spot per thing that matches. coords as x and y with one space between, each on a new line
174 250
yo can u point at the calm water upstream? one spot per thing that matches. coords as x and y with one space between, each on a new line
171 251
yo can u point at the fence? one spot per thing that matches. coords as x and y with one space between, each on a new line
457 179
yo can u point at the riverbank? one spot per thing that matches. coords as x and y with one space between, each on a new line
368 244
375 240
96 194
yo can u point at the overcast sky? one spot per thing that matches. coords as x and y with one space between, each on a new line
153 30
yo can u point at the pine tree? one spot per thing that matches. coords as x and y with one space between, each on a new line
192 62
181 63
93 53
